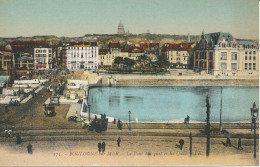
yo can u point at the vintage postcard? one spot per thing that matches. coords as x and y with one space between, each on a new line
129 83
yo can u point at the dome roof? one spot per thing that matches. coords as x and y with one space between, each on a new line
120 24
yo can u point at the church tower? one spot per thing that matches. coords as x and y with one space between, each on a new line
188 38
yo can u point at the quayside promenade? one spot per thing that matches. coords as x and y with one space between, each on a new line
173 78
154 143
61 141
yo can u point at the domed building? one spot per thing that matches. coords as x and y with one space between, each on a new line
121 29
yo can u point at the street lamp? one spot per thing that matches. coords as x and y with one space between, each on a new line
129 127
254 114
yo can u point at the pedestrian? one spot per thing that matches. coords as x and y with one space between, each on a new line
181 142
99 146
188 119
118 141
29 148
103 146
119 125
18 139
239 145
228 142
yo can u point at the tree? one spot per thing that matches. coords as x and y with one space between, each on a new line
129 62
162 62
143 60
119 60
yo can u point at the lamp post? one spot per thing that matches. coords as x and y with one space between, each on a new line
129 127
89 112
254 114
208 126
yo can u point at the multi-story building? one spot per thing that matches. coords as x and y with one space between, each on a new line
6 60
178 55
24 61
107 56
150 48
82 55
221 54
43 58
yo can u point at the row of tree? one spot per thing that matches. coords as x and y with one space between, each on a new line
143 61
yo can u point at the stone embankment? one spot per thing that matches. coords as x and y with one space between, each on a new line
124 80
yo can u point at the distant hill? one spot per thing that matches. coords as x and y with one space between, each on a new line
105 38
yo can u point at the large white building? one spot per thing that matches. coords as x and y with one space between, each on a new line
82 56
221 54
43 58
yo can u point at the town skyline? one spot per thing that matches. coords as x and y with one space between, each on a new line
43 18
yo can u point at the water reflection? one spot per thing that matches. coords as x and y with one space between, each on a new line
173 102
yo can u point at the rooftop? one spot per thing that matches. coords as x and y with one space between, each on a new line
181 46
83 44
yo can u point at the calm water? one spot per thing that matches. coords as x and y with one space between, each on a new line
156 103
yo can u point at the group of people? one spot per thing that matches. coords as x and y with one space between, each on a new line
103 116
99 124
239 143
187 119
101 147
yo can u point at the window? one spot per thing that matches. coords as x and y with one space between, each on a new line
233 66
245 57
254 67
250 57
44 51
49 55
223 66
210 65
50 51
210 55
254 52
254 58
249 66
223 56
233 56
246 52
245 66
250 52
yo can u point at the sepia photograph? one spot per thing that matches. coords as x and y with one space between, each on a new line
129 82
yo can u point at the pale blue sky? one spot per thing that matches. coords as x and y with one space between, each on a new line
79 17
